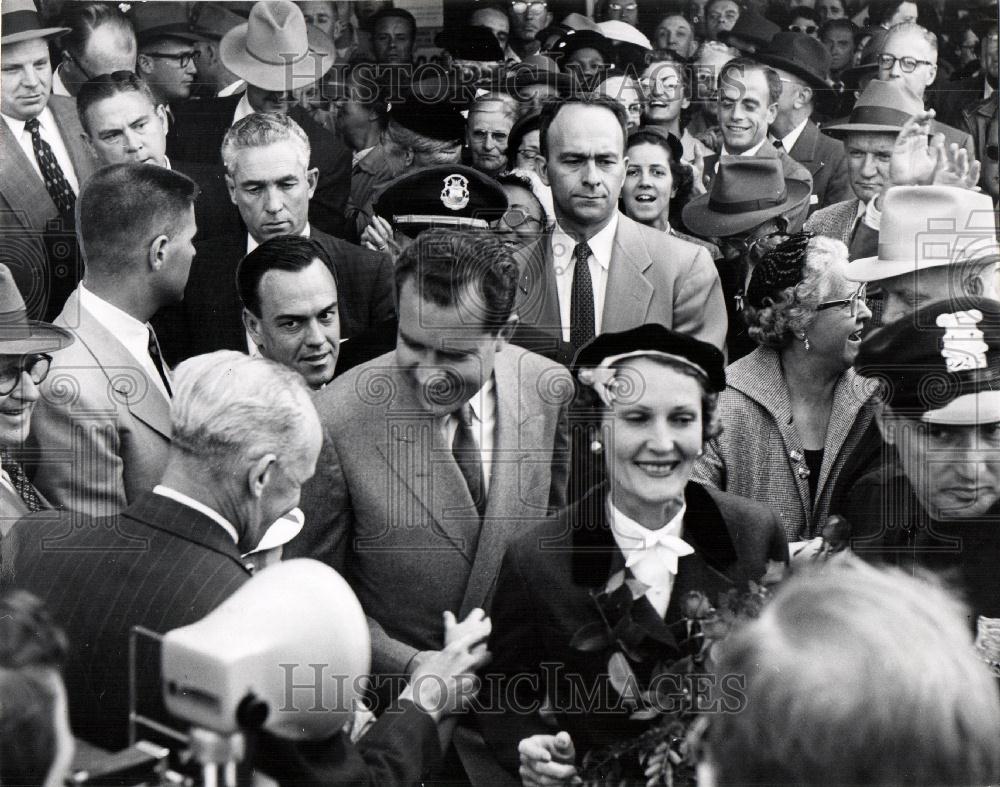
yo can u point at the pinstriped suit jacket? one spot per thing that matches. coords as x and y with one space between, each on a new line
759 453
158 564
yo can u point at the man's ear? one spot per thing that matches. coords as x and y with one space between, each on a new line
772 113
231 188
409 156
161 113
542 167
259 475
143 65
89 143
158 252
312 177
805 96
506 332
252 323
932 75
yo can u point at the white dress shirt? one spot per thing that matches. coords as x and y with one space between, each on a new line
126 329
242 110
50 133
201 508
484 423
601 247
650 554
788 141
58 86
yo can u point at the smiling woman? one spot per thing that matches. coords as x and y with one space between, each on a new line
794 404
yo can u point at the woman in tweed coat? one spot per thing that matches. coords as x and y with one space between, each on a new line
794 408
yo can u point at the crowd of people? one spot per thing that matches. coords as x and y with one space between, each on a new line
536 336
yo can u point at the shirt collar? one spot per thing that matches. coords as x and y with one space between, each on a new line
601 245
631 536
58 86
751 152
480 401
359 156
119 322
201 508
788 141
242 109
45 120
252 244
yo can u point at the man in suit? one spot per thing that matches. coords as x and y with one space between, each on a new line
288 289
103 423
167 55
869 138
802 64
436 454
43 165
24 363
213 21
246 437
266 158
748 98
200 126
123 123
598 270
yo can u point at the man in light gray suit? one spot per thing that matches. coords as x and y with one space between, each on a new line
43 163
103 421
438 453
630 274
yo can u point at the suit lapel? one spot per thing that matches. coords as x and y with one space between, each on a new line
804 149
506 510
20 184
629 293
538 297
141 396
850 395
64 111
415 450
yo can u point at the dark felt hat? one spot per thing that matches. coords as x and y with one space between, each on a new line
449 195
652 339
425 114
21 22
942 363
751 27
798 54
162 20
18 334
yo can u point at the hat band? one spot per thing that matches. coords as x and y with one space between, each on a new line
878 116
743 206
20 22
282 61
14 324
933 390
443 221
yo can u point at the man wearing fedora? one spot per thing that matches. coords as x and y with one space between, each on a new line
102 425
273 26
803 64
751 206
101 41
869 137
748 98
750 33
25 347
212 21
932 501
43 163
168 59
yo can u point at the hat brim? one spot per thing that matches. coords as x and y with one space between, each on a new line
176 30
867 269
42 337
26 35
267 76
702 220
982 407
843 129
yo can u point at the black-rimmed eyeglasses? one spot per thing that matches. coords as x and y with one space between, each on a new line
906 64
183 59
36 365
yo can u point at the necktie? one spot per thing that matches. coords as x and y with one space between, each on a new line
154 353
778 145
55 181
581 303
465 449
24 488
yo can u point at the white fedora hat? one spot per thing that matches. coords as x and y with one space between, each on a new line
927 227
275 50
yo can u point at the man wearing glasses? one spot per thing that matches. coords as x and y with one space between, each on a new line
527 19
167 60
100 41
24 363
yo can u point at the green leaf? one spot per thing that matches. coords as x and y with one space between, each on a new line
646 714
638 588
591 637
615 582
623 678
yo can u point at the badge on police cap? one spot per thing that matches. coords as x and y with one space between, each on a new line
962 346
455 194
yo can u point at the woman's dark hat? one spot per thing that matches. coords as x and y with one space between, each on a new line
778 270
575 40
654 340
18 334
745 193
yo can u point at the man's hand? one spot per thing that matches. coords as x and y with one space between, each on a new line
914 161
444 681
955 168
547 760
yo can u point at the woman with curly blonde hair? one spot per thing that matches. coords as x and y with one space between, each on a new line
794 408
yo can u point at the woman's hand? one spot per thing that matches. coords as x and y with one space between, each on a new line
548 760
379 236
